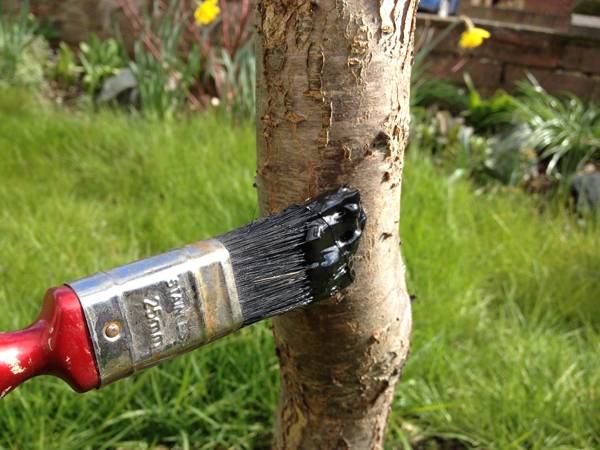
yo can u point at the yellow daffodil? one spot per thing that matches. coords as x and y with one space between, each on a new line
206 12
473 36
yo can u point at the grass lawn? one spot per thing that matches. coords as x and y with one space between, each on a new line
506 348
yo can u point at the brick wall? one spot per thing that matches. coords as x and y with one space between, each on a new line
75 20
558 7
559 60
553 7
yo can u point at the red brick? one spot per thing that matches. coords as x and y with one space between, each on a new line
507 45
561 62
520 48
485 73
583 59
449 44
557 7
555 82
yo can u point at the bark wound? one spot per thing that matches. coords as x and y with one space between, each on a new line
359 52
333 90
314 71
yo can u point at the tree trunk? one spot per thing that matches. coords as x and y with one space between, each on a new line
333 109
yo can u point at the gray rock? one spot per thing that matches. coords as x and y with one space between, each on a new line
121 87
586 191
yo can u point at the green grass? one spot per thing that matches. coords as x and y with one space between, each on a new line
505 351
506 348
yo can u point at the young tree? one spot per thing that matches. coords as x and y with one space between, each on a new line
333 109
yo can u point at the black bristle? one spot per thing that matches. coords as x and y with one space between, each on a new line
298 256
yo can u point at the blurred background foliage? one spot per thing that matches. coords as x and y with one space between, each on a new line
529 138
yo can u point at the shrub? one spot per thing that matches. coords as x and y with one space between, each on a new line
451 143
235 78
218 55
66 70
99 60
488 114
23 54
564 131
164 73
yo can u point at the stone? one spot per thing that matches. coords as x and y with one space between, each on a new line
585 190
121 87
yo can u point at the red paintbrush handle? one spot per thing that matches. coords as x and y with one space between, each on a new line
57 344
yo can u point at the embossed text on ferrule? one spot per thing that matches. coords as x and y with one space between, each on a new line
167 305
153 312
178 303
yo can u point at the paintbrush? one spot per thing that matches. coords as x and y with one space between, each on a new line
100 329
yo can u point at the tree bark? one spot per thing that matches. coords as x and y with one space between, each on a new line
333 108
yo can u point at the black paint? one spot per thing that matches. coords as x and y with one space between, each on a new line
332 239
293 258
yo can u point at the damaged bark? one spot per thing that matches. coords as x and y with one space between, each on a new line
333 108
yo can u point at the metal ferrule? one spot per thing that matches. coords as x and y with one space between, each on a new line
151 310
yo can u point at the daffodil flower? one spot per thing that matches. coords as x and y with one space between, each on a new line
473 36
206 12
